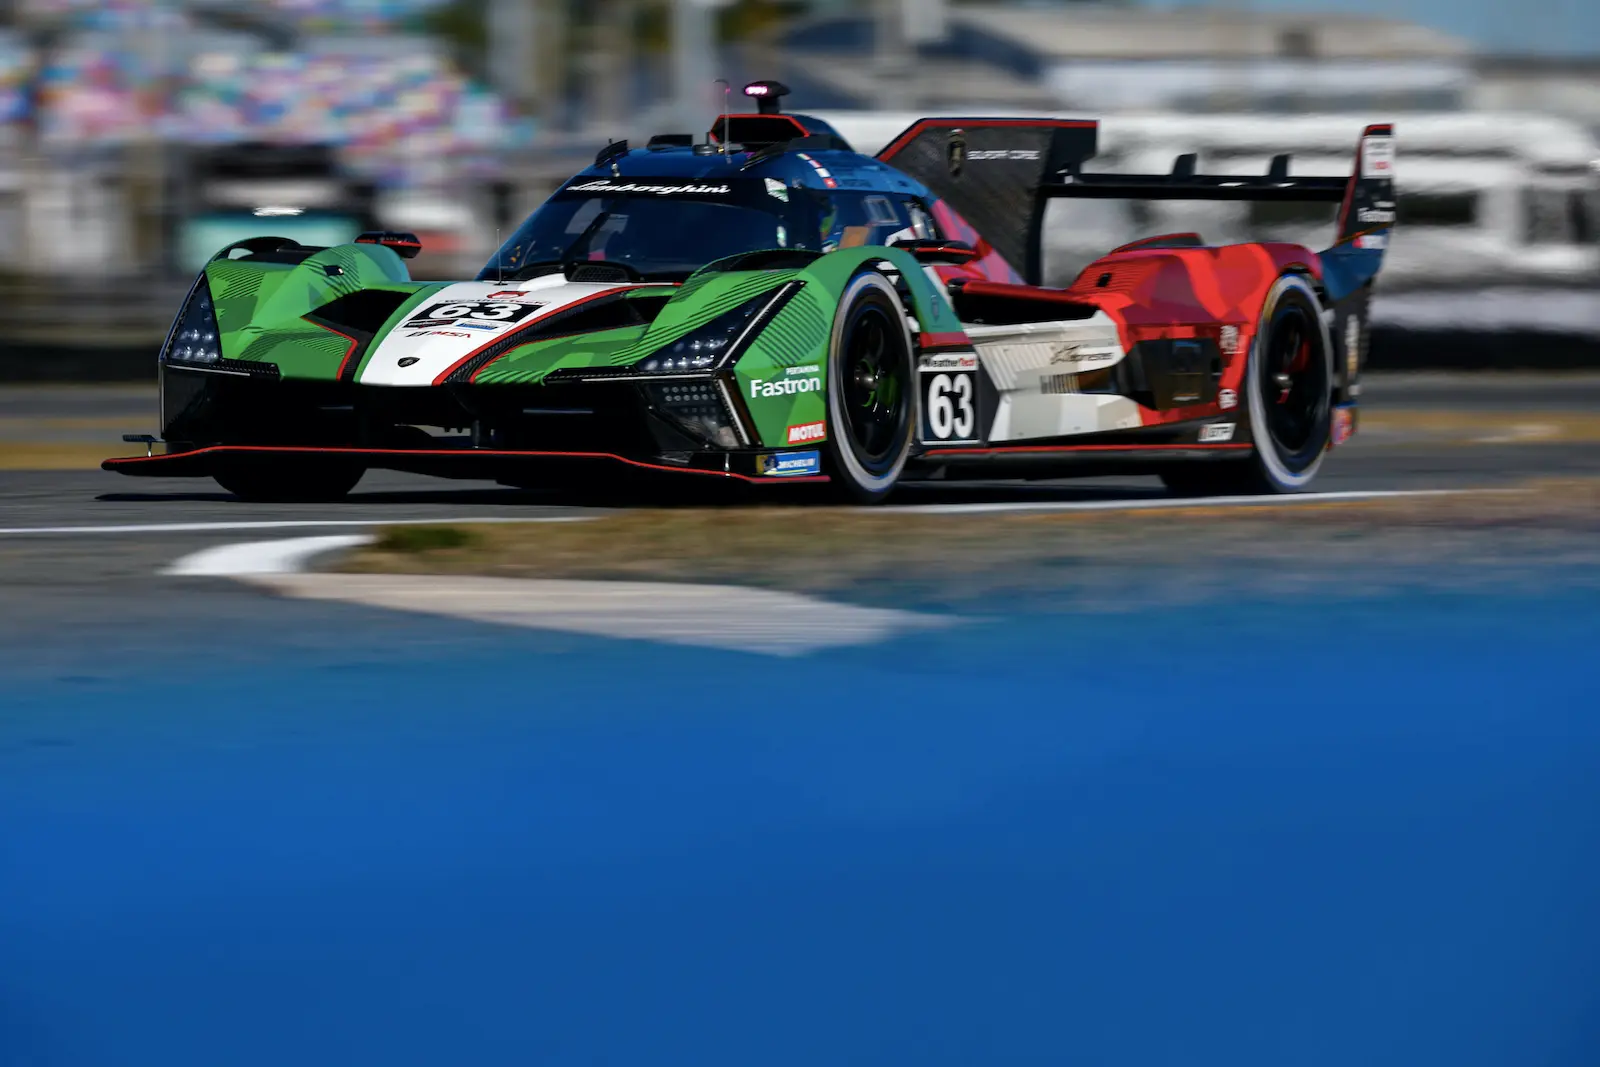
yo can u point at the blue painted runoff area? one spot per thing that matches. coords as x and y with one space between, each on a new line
1236 834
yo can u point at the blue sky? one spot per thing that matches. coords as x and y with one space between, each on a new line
1568 27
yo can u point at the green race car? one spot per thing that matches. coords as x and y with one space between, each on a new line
771 307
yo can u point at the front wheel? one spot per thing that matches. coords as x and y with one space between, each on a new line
1288 385
871 402
283 481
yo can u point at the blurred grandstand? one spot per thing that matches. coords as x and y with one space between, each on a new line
135 135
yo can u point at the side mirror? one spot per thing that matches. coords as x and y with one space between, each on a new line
406 245
938 251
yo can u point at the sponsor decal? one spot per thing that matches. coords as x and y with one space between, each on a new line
955 152
1217 431
1352 347
827 178
1377 157
409 361
515 296
809 431
1344 425
950 361
490 326
1004 153
777 189
790 464
606 185
808 368
1064 352
1228 340
1228 399
437 333
785 387
1375 216
1373 240
427 324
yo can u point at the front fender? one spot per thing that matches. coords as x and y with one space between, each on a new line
261 305
782 377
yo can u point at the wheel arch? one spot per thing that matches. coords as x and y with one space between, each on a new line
1253 406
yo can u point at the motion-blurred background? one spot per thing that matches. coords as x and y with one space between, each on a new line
137 136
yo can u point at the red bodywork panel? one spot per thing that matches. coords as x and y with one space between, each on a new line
989 266
1154 293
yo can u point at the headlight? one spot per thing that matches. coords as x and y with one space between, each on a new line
719 342
194 337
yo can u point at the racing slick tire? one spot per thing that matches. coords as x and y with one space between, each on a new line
1288 389
309 481
872 416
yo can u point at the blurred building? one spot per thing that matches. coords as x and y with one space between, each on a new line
1566 86
1116 57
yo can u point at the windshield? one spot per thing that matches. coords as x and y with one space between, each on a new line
658 235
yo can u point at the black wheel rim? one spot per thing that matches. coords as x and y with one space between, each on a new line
1294 386
876 378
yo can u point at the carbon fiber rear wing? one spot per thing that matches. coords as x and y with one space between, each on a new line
1184 184
999 174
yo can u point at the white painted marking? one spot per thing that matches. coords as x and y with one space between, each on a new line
920 509
736 619
708 616
284 556
1165 503
282 524
1528 431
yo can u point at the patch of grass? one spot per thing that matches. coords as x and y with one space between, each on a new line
889 557
419 540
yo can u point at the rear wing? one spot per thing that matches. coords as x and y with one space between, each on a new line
999 173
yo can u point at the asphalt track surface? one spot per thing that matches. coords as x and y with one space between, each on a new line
1372 461
238 828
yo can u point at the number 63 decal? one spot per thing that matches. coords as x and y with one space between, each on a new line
950 406
477 310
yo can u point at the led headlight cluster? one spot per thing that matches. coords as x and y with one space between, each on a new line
697 406
718 342
194 337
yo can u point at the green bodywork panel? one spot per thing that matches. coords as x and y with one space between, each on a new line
695 303
261 309
261 306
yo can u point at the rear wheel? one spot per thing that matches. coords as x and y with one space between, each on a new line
280 480
871 402
1288 385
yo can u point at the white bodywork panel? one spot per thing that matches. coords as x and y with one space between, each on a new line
1030 365
466 317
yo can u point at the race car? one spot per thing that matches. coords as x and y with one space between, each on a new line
765 305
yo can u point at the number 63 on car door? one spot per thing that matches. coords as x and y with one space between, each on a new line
949 386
